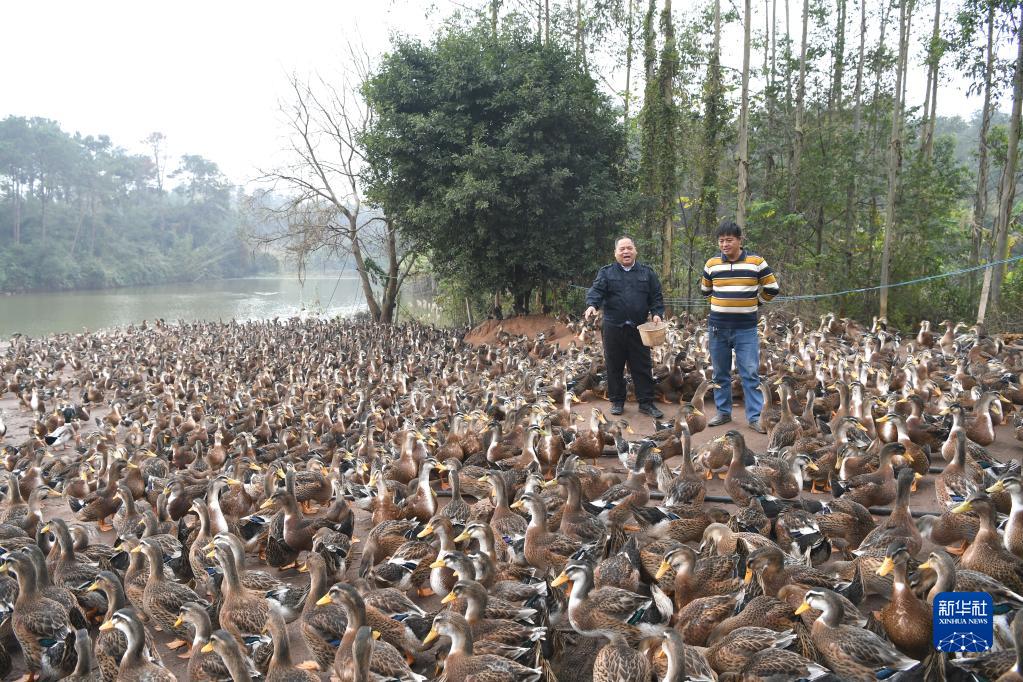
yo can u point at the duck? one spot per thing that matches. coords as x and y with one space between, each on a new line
855 653
163 598
243 611
606 611
111 644
695 577
986 553
576 522
502 631
899 524
506 524
590 444
950 578
906 618
281 668
322 626
741 484
392 652
730 654
86 668
877 488
1012 534
202 667
545 551
135 667
225 645
767 565
37 622
462 663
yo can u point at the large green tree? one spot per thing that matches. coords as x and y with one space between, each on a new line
498 154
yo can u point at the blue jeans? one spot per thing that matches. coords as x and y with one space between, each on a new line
747 356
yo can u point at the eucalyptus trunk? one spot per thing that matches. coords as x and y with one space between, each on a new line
797 137
894 151
931 96
980 199
1008 184
712 113
850 188
743 170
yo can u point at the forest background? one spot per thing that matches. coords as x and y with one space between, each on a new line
502 156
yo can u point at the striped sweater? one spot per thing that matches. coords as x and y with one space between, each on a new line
736 289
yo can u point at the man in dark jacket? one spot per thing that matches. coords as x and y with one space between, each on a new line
627 291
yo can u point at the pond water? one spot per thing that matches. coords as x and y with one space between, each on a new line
251 298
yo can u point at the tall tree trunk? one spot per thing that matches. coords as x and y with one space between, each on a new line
1008 189
494 6
931 97
628 65
797 139
712 100
850 188
16 228
743 170
769 99
980 199
668 153
835 98
895 151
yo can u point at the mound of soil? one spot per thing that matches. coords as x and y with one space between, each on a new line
527 325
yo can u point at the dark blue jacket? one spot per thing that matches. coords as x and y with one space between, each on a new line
626 297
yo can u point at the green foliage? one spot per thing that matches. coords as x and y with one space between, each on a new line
79 213
499 155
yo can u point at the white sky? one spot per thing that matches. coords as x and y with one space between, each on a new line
209 75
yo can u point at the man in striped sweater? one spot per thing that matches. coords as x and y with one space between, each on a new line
738 283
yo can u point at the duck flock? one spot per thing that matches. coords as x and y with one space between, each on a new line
312 500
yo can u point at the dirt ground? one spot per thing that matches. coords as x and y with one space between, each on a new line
554 331
19 421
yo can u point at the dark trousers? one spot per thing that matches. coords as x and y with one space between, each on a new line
623 345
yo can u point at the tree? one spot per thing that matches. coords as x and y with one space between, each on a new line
743 154
325 183
895 149
499 155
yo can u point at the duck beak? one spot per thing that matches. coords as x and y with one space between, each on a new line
746 579
517 504
803 608
426 532
560 580
93 587
211 554
962 508
324 600
886 567
46 528
107 625
812 467
431 636
135 550
997 487
926 564
462 537
178 622
376 634
662 569
550 483
207 648
451 596
439 563
267 504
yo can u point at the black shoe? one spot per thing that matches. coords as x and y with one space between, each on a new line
720 419
651 409
758 427
617 408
